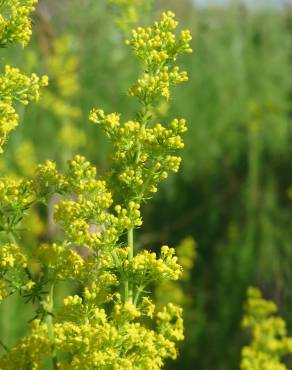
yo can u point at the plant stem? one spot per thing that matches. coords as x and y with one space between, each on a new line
131 243
4 346
143 119
138 292
49 322
131 254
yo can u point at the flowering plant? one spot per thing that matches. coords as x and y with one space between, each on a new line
111 322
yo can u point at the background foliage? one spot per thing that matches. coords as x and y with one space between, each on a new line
234 193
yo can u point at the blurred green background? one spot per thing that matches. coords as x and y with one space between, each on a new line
233 194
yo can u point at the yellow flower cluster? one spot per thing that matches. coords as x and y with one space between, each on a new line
87 220
150 88
87 308
125 312
82 327
144 151
101 341
15 24
110 122
174 290
8 121
97 340
16 87
11 256
101 291
143 155
170 322
81 176
47 179
147 307
157 47
146 267
61 262
269 335
13 263
16 196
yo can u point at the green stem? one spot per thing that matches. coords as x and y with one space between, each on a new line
4 346
128 287
131 243
49 321
143 118
139 291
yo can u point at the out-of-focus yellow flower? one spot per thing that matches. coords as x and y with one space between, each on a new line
26 158
269 335
128 12
72 137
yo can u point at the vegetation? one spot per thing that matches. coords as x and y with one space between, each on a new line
232 196
105 326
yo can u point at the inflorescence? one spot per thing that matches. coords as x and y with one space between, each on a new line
111 323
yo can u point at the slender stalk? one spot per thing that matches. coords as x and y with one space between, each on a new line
126 283
49 322
138 292
131 243
131 254
4 346
143 118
